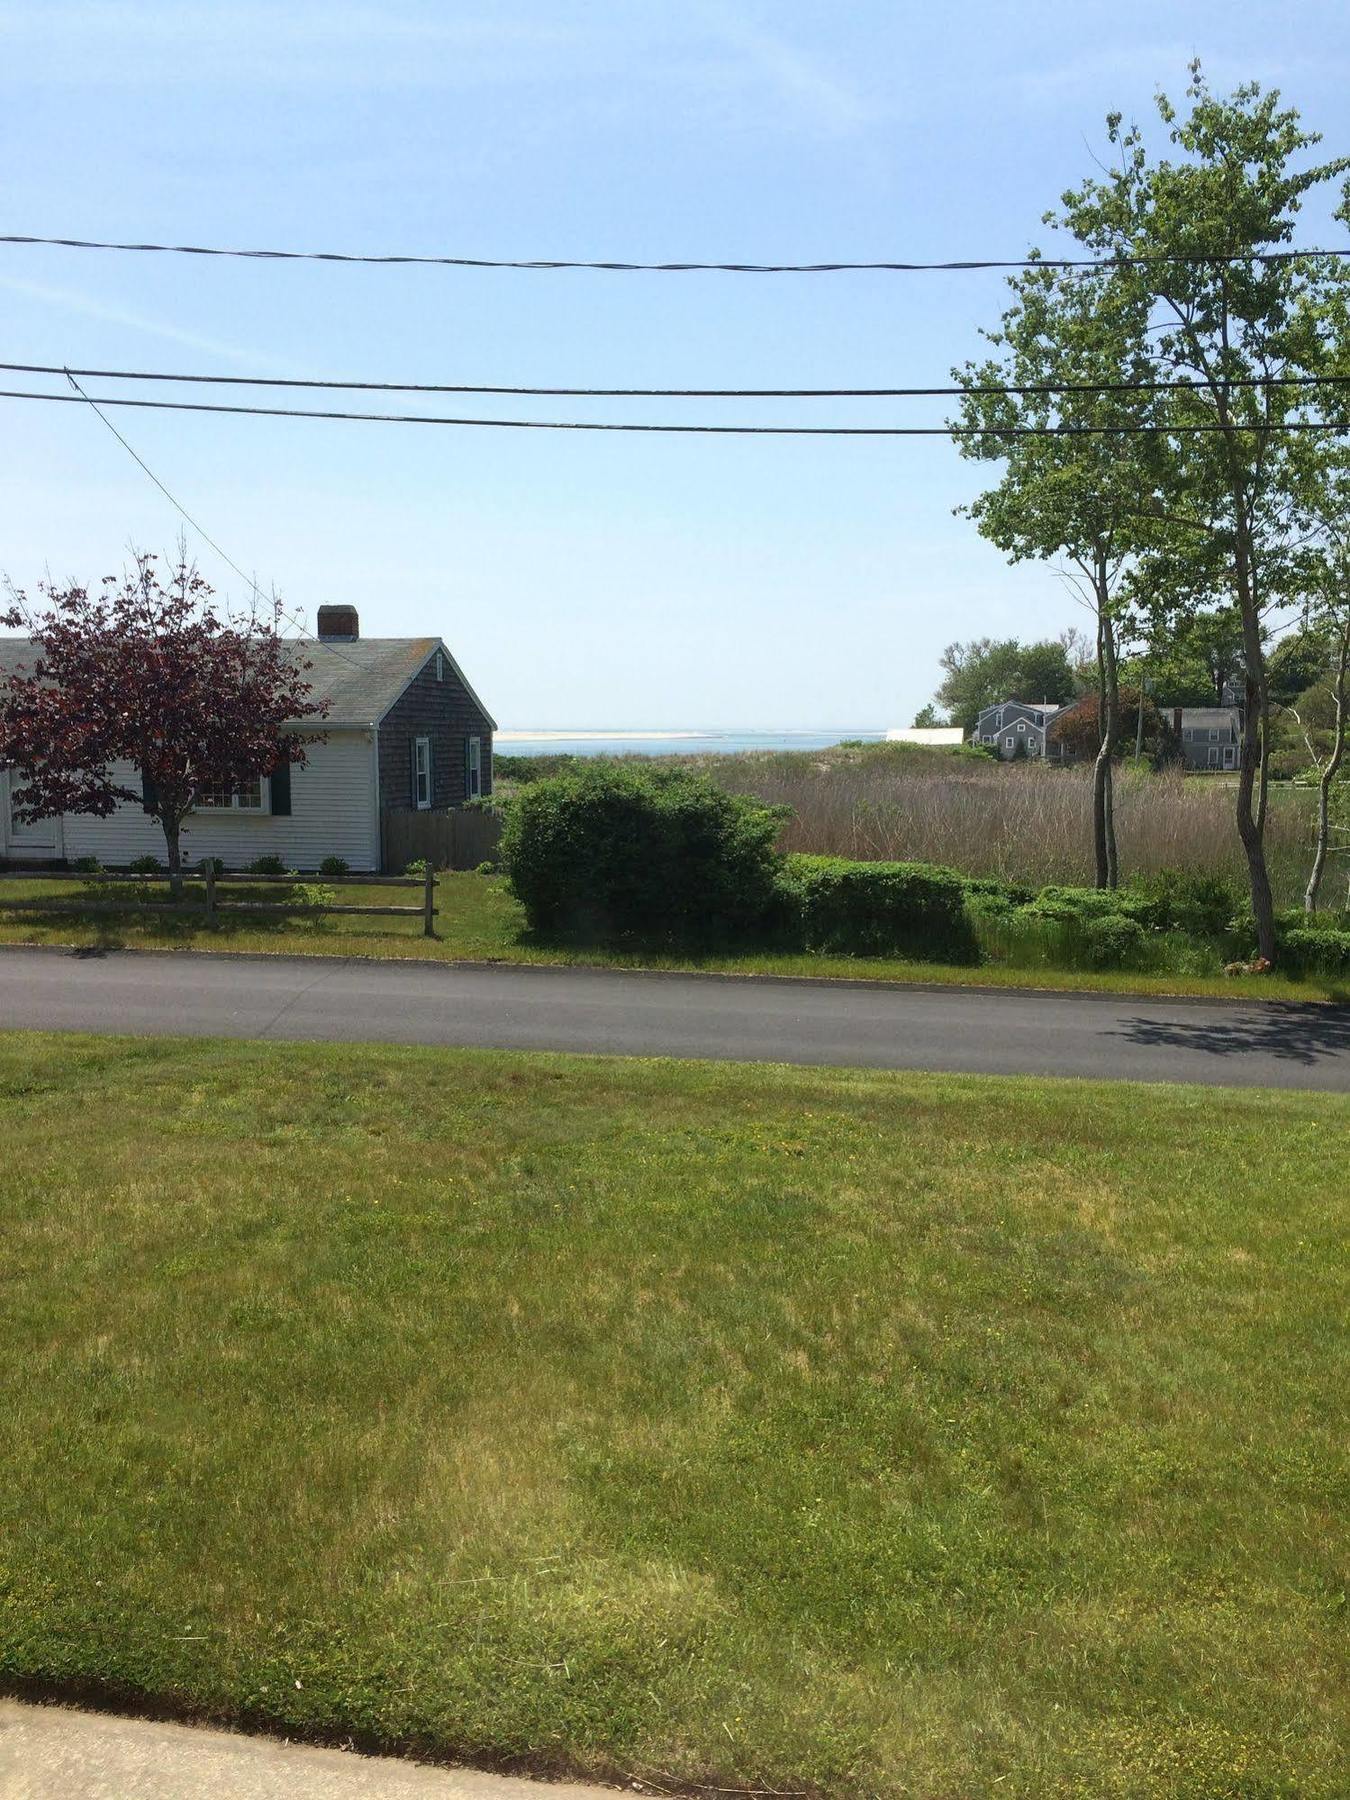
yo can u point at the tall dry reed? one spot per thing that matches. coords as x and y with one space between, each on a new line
1024 822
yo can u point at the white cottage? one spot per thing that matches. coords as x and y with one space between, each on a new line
404 732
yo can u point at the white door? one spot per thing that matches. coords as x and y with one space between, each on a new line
41 839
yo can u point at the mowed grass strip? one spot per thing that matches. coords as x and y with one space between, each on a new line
757 1427
479 920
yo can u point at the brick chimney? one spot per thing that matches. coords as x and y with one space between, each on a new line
339 622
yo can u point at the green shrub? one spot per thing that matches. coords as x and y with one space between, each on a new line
267 865
333 868
213 863
986 895
1076 905
485 868
880 909
1315 950
87 865
1114 942
658 854
1191 900
146 865
525 769
311 894
416 868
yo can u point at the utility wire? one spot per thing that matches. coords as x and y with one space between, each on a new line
80 395
680 268
653 393
876 431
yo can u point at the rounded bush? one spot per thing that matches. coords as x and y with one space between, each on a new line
881 909
333 868
663 855
1315 950
1114 942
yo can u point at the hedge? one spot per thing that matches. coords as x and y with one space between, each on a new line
880 909
660 855
1315 950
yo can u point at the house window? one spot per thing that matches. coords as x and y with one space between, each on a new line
1011 742
1033 748
474 778
440 666
989 737
246 798
1213 734
1021 724
421 773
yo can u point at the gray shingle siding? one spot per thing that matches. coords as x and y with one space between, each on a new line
446 713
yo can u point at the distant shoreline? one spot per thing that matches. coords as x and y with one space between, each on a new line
679 741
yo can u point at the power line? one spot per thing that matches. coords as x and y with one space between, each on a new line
653 393
877 431
680 268
80 395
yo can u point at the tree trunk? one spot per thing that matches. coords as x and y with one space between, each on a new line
1329 773
171 829
1108 706
1250 827
1251 820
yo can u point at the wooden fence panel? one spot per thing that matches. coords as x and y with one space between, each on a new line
460 839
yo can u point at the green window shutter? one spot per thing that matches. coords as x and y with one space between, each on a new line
149 793
281 790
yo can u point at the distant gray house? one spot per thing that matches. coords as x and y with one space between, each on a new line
1209 735
404 733
1016 727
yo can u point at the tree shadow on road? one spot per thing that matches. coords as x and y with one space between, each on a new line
1289 1031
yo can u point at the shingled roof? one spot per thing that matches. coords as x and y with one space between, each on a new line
360 678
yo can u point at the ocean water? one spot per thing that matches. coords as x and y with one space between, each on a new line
669 743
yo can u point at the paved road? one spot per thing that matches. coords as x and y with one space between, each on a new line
51 1753
861 1024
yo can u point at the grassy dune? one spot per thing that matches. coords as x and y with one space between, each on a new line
762 1428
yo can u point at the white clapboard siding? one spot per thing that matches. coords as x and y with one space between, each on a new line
333 813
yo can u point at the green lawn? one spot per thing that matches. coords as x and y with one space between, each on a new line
479 921
758 1427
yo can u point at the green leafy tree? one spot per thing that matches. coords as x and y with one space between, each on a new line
1055 407
927 717
1187 235
984 671
1187 658
1321 648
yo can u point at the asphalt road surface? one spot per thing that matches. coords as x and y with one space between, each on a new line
858 1024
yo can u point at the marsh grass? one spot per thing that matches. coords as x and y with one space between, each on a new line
1022 822
824 1431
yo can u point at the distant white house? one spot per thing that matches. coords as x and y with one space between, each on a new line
933 735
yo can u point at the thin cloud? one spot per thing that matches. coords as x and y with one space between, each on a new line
796 76
91 308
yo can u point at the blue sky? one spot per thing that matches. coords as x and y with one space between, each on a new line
580 580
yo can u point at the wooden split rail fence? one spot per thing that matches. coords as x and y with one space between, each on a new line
213 906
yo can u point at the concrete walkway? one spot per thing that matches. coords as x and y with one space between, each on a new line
860 1024
52 1753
